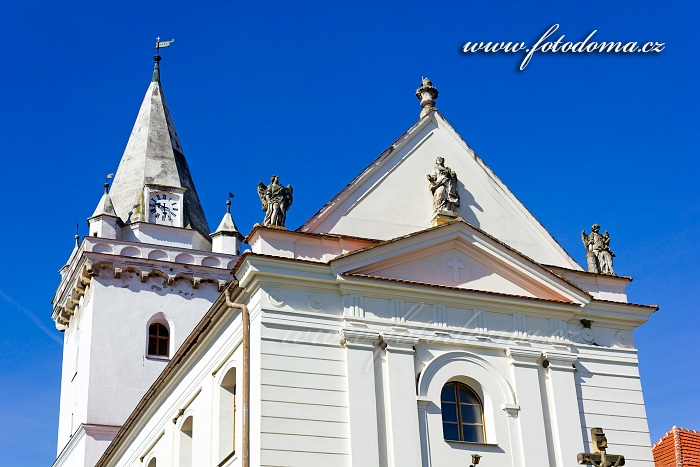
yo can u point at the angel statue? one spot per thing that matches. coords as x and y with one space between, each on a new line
443 186
598 256
276 200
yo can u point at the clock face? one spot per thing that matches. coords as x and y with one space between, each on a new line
163 208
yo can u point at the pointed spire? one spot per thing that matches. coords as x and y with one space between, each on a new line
154 156
105 206
227 239
227 226
76 247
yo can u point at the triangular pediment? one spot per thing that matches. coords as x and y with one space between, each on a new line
458 255
391 197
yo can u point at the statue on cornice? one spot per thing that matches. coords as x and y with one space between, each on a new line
276 201
443 186
598 253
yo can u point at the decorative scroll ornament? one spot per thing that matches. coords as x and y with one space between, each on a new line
598 253
276 200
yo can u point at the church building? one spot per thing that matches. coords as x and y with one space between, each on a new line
421 318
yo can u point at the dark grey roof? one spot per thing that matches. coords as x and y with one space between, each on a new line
154 155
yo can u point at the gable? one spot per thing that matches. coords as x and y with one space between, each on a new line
391 197
458 255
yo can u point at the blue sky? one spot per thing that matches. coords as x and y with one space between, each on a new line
314 92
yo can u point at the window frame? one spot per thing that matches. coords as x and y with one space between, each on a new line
457 385
158 339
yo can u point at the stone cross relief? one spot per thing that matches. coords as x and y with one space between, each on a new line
456 265
600 458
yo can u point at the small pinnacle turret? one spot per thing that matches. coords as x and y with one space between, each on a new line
104 222
105 206
227 239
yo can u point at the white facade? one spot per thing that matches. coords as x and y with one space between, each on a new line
352 340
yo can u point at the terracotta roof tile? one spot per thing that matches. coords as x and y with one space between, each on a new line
677 448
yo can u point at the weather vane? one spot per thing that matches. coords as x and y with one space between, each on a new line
156 57
163 44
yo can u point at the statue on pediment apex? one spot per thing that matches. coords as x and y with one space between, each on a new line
598 253
443 186
276 201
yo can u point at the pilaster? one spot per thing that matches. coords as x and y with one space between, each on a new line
563 406
362 399
526 368
403 434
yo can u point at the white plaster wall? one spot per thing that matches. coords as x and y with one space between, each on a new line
120 372
610 396
304 414
75 371
195 393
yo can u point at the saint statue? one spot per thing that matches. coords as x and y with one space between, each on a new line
443 186
598 253
276 200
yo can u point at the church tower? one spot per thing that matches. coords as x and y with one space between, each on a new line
137 285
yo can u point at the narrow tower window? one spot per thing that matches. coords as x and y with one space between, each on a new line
227 415
462 413
186 443
158 340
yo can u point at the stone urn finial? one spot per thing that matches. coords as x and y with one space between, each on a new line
427 95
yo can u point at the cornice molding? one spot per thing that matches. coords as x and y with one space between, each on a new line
399 343
358 339
560 360
521 356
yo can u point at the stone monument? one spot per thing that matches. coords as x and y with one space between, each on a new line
600 458
598 254
443 185
276 201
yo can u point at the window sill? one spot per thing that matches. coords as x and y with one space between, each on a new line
157 358
228 460
470 443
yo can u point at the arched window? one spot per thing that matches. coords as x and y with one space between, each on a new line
462 413
152 463
227 415
186 443
158 340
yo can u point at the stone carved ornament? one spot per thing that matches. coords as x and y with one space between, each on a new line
427 95
598 253
276 201
443 186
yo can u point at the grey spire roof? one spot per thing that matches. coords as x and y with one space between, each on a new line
153 155
105 206
227 226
